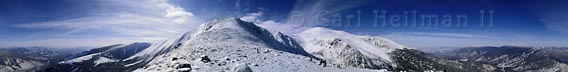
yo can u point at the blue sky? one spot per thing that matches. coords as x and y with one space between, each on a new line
93 23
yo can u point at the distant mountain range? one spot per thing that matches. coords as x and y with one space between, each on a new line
235 45
106 58
512 58
31 58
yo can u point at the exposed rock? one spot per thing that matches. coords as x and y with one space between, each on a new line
173 59
205 59
227 58
183 65
266 51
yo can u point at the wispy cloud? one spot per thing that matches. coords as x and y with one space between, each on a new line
552 14
305 11
252 17
556 22
302 16
272 24
139 20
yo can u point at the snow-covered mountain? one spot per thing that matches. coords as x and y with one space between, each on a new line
343 49
223 44
513 58
106 58
232 44
235 45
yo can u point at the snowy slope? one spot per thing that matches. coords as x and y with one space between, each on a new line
227 44
155 50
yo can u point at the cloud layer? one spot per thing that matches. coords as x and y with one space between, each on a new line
123 20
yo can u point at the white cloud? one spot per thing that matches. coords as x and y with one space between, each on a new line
272 24
282 27
252 17
553 15
305 12
555 23
130 20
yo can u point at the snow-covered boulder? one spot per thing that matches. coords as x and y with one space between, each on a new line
242 68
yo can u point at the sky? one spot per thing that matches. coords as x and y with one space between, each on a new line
414 23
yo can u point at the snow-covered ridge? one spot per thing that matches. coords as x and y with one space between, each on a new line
92 51
119 51
159 48
107 58
321 32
